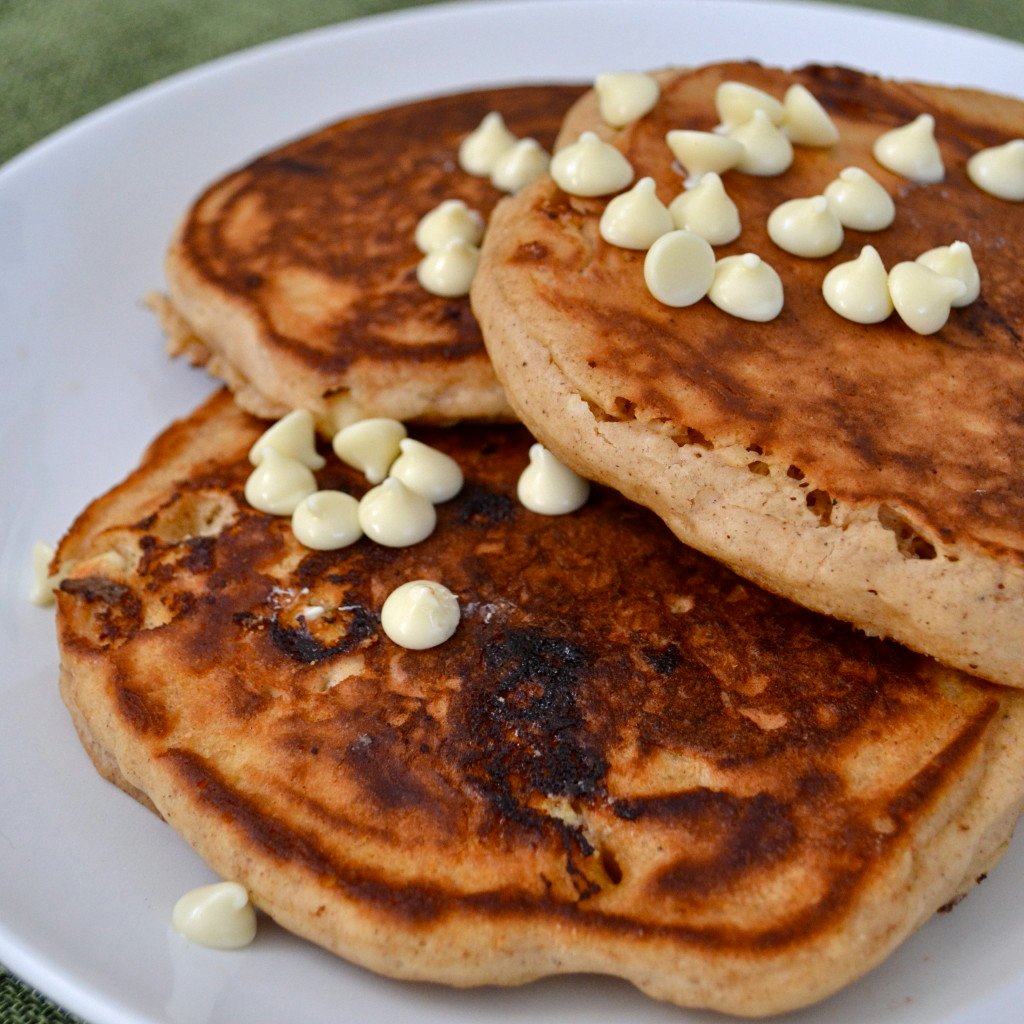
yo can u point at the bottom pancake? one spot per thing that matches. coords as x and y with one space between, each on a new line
626 760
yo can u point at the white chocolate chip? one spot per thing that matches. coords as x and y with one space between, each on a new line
911 150
625 96
548 487
590 167
707 210
449 219
957 261
278 483
637 218
427 471
449 271
293 436
859 290
923 298
737 102
43 583
805 120
859 201
805 227
679 268
370 446
219 916
480 150
520 166
747 287
393 515
767 150
420 614
699 153
999 170
327 520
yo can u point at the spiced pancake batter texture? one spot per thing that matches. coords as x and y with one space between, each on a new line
294 278
626 760
864 470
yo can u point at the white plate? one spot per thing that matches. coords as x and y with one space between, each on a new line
87 878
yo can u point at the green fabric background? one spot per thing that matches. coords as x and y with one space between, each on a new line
60 59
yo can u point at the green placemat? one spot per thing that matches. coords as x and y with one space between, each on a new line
22 1005
60 59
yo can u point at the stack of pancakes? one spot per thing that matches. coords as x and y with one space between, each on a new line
709 769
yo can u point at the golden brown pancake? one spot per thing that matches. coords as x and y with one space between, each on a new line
294 278
863 470
626 760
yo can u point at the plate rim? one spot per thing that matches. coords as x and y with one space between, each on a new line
18 956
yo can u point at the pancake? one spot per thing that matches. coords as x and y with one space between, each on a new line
866 471
293 279
626 760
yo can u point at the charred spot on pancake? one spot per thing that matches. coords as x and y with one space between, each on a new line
115 609
161 563
664 660
97 588
480 506
198 555
352 625
523 728
455 310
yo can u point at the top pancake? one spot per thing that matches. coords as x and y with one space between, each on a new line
626 760
864 470
293 278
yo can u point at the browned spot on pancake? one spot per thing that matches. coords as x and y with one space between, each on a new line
531 251
245 699
278 840
144 712
921 789
741 836
382 770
